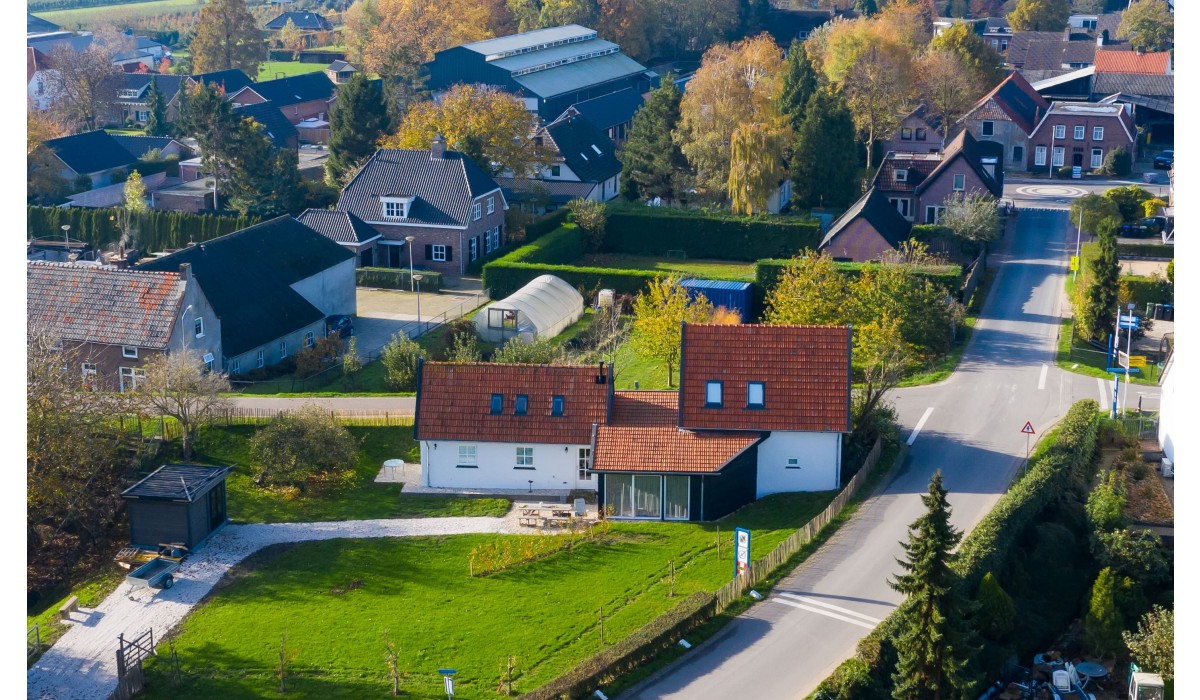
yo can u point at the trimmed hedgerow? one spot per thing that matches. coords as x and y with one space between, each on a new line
396 278
706 235
156 230
1145 250
1149 290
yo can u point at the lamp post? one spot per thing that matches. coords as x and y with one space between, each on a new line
66 242
409 240
182 316
1078 237
417 280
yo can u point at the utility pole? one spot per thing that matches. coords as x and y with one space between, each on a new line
1078 245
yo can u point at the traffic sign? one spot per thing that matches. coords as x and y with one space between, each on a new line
741 558
1028 429
1137 360
1074 263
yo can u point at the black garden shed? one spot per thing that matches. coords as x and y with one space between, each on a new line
178 503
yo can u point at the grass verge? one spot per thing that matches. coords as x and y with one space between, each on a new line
270 70
722 269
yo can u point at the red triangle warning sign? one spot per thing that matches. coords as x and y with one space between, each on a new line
1028 429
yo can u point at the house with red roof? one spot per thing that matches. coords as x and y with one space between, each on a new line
1136 62
1081 134
1008 115
918 184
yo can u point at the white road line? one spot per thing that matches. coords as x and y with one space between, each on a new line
1103 392
844 611
920 424
1042 379
826 613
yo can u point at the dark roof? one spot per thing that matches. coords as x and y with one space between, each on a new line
139 146
558 191
612 109
922 112
340 226
90 152
230 80
883 217
276 126
340 66
805 369
176 482
969 149
587 150
37 25
1054 54
85 303
168 85
444 187
247 277
993 24
295 89
1134 84
916 166
454 402
1017 99
308 21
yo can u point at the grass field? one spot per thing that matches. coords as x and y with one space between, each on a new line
85 16
722 269
285 69
545 614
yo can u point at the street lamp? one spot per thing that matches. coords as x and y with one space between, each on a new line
410 240
417 280
1078 242
66 242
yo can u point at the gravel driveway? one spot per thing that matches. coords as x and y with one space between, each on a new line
82 663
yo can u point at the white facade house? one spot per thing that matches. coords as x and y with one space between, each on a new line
541 309
790 461
506 466
1170 421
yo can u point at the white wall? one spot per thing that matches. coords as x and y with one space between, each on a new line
1169 420
553 466
332 290
819 455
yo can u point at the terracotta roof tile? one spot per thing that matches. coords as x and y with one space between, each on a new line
1153 63
667 449
645 408
454 402
805 370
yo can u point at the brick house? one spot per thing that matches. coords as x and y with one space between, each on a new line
1008 115
119 319
918 184
453 209
869 230
918 132
1081 134
299 97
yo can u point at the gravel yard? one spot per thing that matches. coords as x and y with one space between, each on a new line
82 664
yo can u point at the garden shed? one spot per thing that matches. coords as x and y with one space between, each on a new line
735 296
541 309
177 503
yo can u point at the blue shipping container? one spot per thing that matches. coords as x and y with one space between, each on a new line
734 296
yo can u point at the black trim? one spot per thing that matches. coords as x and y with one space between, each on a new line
417 405
466 466
526 469
707 403
849 380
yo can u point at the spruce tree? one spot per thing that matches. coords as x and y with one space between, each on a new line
358 118
156 106
1102 626
799 83
1100 308
934 644
995 609
652 160
825 157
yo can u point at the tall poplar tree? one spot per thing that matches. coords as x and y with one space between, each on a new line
227 36
652 160
358 118
156 106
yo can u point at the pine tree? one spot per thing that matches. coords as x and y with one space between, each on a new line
934 645
1101 295
156 106
799 83
358 118
995 608
825 157
651 157
183 109
1102 626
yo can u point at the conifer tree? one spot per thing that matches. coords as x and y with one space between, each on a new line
358 118
1102 626
995 608
156 106
799 83
652 160
825 157
1101 295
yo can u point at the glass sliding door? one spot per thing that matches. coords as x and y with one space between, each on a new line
676 497
647 490
618 494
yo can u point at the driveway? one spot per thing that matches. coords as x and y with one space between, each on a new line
382 313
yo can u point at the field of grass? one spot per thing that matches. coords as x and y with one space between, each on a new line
285 69
83 17
359 497
722 269
546 614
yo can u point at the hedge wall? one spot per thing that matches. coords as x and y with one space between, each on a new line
767 273
395 278
640 230
1149 290
1145 250
156 230
563 245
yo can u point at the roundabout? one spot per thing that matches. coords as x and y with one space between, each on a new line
1051 191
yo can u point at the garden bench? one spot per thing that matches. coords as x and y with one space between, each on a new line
530 521
72 605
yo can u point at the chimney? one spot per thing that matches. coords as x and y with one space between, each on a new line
185 272
438 150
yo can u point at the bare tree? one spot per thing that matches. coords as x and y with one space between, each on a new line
179 385
946 85
972 216
83 83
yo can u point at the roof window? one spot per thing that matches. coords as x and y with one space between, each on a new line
521 407
713 394
755 395
556 406
497 404
597 150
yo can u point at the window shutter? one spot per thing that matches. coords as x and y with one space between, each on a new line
429 252
449 253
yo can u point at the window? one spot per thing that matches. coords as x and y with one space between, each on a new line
920 134
903 205
1097 157
131 377
555 170
585 462
960 182
1079 133
634 495
439 252
491 205
474 247
1059 155
487 241
235 367
261 358
556 406
755 394
1004 44
1018 154
1039 155
282 349
521 407
792 463
524 458
933 214
1097 133
129 351
309 339
906 134
476 211
676 497
497 404
466 456
396 207
988 129
1060 131
198 327
496 238
712 394
900 175
89 374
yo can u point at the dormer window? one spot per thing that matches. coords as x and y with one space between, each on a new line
714 394
396 207
901 175
497 404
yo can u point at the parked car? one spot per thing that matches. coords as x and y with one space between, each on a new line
1149 226
343 326
1164 160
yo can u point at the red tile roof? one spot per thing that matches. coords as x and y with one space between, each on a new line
805 370
643 437
454 402
1153 63
1015 98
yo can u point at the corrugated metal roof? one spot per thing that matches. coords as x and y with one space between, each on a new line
554 53
714 284
176 482
574 76
514 42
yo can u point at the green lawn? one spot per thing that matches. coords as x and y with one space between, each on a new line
358 498
720 269
91 592
545 614
272 69
85 16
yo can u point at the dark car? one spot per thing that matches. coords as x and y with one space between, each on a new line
1150 226
1164 160
343 326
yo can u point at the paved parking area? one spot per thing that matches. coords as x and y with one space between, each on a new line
382 313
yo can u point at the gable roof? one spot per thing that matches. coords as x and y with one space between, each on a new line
1119 61
168 85
917 167
340 66
307 21
454 402
230 80
294 89
965 146
86 303
1134 84
139 146
247 277
1048 51
278 129
176 482
922 112
37 25
444 187
588 152
883 217
1092 110
339 226
1017 99
90 152
612 109
805 369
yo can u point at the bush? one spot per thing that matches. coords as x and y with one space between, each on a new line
310 361
706 234
1106 503
1148 290
1151 206
400 359
542 351
996 610
1118 162
1102 626
297 446
591 218
950 277
396 278
1065 172
1128 200
1145 250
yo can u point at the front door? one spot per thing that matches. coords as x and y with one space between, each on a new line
367 258
394 257
1077 159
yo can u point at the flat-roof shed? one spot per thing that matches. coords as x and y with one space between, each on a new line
177 503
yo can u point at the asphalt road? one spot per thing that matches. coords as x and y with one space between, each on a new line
1058 193
968 426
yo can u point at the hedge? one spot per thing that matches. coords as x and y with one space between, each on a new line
546 224
644 644
502 279
767 273
156 230
395 278
641 230
1145 250
563 245
1149 290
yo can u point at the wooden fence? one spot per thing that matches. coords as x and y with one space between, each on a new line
761 568
974 277
33 643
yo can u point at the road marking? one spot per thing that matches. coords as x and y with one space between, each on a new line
844 611
1103 391
1042 379
826 613
920 424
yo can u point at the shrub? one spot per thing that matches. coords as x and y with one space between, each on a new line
396 278
400 359
542 351
1146 250
1148 290
310 361
703 234
1118 162
1102 625
1106 503
157 230
1151 206
297 446
995 609
591 217
1128 200
1138 555
767 273
1065 172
